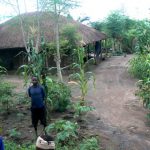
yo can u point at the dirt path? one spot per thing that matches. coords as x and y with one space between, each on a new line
120 117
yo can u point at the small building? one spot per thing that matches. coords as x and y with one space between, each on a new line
12 39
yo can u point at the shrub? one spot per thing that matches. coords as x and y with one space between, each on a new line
138 66
89 144
80 110
6 92
10 145
58 96
66 132
144 92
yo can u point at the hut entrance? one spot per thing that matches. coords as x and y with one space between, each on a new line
11 59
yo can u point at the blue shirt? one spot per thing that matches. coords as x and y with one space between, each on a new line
1 144
37 95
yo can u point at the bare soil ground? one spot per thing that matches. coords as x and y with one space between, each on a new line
119 117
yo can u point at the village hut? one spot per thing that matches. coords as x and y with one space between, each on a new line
12 39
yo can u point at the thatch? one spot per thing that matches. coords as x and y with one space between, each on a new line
11 34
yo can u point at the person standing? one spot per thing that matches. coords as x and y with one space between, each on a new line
37 94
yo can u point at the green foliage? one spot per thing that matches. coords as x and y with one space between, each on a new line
138 66
35 66
69 32
82 77
121 30
9 145
89 144
6 92
57 7
13 133
62 6
58 95
51 48
143 35
3 70
80 110
67 137
115 24
144 83
101 26
144 92
66 132
22 99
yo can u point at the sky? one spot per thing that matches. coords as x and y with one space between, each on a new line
95 9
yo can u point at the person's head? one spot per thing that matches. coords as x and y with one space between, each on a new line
45 142
34 80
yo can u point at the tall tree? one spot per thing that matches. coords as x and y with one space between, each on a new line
58 7
115 24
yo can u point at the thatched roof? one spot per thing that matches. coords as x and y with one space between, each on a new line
11 35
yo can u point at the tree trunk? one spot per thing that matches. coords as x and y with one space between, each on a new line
113 45
38 28
58 60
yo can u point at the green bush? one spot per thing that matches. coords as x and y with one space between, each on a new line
10 145
138 66
66 132
6 92
58 96
89 144
80 110
144 92
68 137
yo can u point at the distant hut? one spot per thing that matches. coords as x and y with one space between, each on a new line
12 41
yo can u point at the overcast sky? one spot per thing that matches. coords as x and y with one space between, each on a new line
99 9
95 9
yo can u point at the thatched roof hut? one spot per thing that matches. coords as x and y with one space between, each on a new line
11 37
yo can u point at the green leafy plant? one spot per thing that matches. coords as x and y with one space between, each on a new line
144 92
66 132
81 110
89 144
35 65
58 96
6 92
13 133
138 66
81 77
10 145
